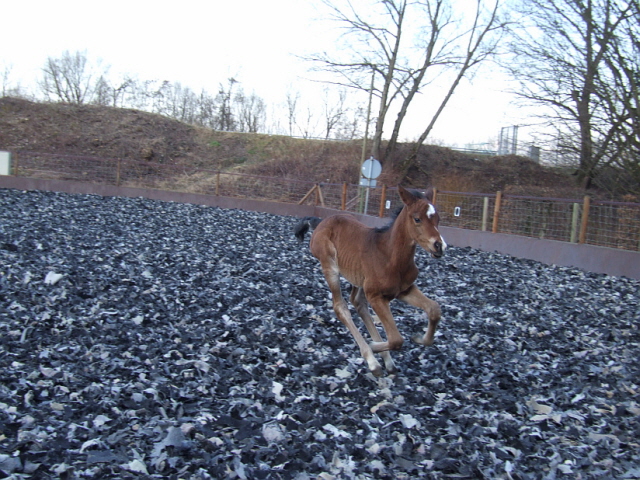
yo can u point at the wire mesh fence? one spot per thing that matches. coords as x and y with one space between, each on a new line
464 210
611 224
614 224
550 219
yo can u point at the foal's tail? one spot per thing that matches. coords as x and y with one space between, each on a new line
303 226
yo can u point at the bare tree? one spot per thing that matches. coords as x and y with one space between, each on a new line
621 102
475 44
383 45
579 59
341 120
207 110
149 95
114 93
5 80
251 112
225 119
334 111
6 88
183 104
308 126
292 110
102 94
350 125
71 78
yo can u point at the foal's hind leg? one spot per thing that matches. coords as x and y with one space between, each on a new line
415 297
394 341
359 300
341 308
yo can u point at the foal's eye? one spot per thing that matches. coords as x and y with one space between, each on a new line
417 219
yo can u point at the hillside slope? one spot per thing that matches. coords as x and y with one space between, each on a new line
91 130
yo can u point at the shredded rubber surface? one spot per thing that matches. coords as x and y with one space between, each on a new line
142 339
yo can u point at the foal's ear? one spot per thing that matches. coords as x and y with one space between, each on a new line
429 194
407 197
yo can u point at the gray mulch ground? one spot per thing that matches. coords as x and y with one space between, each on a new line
141 339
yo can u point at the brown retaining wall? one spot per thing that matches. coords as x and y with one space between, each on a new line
586 257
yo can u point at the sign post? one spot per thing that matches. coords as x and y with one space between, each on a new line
371 170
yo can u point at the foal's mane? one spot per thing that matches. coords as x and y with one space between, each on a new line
394 216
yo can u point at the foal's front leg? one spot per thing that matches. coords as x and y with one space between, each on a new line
416 298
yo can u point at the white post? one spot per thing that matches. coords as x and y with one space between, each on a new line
485 213
5 163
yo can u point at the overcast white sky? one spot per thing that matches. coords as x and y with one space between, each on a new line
202 43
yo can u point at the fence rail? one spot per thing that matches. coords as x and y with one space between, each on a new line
604 223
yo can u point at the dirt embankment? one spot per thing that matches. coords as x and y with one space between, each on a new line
91 130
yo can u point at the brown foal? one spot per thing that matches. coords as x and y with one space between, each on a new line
379 264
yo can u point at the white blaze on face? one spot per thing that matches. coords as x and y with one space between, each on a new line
431 211
444 244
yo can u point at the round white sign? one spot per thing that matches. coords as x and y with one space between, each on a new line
371 168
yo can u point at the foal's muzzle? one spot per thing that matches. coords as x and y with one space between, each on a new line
438 250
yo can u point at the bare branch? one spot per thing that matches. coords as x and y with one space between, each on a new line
580 64
380 45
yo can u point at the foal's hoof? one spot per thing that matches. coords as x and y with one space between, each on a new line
377 370
420 340
391 368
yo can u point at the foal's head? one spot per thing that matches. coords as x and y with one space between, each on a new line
422 220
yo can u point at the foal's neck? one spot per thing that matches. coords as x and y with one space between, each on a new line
402 247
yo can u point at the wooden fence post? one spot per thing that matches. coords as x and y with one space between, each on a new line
496 212
319 196
15 164
118 173
435 196
485 213
575 215
217 183
344 196
383 199
585 219
308 194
